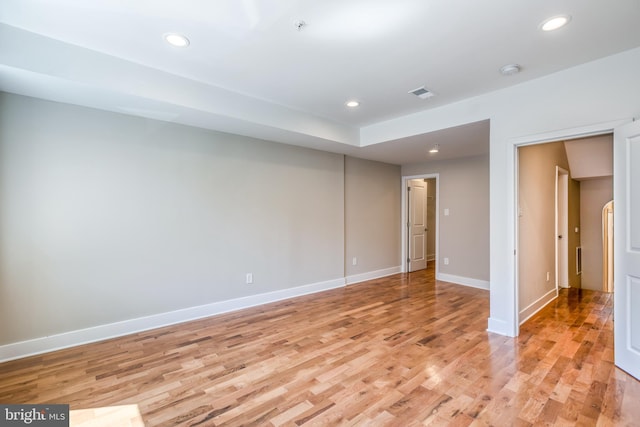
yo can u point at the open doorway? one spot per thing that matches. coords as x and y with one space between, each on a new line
420 222
624 146
560 191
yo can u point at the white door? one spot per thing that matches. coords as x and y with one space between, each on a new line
417 224
626 196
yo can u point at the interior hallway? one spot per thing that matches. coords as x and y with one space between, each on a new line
402 350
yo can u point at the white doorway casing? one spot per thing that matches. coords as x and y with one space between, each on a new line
607 247
562 228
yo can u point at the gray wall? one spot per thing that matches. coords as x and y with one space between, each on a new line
575 279
372 215
537 222
594 194
464 234
106 217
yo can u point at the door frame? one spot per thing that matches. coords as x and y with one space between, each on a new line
562 187
608 243
403 218
543 138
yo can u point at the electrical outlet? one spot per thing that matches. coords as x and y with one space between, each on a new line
354 261
446 261
249 278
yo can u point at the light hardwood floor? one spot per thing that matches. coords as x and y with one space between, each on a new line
404 350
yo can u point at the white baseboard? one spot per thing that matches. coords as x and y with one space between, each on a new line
431 257
537 305
357 278
102 332
500 327
466 281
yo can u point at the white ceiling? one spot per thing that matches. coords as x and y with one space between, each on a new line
248 70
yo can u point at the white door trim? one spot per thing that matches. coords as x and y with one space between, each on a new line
562 282
404 213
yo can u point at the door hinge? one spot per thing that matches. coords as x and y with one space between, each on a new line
408 260
408 188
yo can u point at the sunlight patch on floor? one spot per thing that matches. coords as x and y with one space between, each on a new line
108 416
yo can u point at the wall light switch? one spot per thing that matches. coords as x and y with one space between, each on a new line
249 278
446 261
354 261
446 211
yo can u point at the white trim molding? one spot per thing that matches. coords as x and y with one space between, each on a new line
500 327
526 313
465 281
112 330
370 275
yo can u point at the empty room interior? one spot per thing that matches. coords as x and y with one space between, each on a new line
349 213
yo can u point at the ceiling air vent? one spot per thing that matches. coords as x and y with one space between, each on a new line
422 93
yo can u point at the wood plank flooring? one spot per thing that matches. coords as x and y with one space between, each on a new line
403 351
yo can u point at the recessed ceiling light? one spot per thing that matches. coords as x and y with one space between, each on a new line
435 149
555 22
510 69
176 40
352 104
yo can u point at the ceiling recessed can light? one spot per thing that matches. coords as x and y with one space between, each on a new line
555 22
352 104
176 40
435 149
510 69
